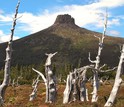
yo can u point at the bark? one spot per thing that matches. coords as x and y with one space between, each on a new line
76 92
83 90
76 85
49 81
87 98
5 83
51 89
47 85
44 79
34 92
103 80
68 89
117 82
48 60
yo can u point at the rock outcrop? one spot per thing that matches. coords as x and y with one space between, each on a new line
64 19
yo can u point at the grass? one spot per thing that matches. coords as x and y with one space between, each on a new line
20 97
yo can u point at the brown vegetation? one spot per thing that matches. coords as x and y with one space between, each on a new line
19 97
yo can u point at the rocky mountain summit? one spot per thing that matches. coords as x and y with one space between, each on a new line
64 19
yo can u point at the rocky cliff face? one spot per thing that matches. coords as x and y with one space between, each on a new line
64 19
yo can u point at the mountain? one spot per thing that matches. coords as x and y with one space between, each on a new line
70 41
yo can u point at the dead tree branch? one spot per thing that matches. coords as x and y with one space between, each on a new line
34 85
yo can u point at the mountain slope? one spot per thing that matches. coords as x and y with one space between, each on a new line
72 43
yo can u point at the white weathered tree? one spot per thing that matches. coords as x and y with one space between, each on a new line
97 63
76 85
49 80
68 89
82 85
76 92
118 81
103 80
5 82
34 85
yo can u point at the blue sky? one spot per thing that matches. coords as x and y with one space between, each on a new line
40 14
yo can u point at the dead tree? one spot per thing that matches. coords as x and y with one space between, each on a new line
82 86
49 80
97 62
103 80
76 92
76 86
68 89
34 85
13 83
118 81
51 84
59 78
5 83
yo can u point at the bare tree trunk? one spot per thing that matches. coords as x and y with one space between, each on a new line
82 83
43 77
97 62
47 85
82 91
5 83
51 83
34 92
76 85
68 89
51 86
76 93
87 98
49 80
117 83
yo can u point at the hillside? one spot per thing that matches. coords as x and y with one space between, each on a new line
70 41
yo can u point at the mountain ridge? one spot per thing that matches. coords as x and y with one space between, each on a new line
72 43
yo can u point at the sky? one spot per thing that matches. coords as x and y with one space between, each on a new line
36 15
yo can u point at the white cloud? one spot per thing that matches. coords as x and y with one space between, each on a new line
113 33
111 3
34 23
5 18
114 22
5 38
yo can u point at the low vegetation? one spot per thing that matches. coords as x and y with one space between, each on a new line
19 97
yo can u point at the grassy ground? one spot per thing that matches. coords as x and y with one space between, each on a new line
19 97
